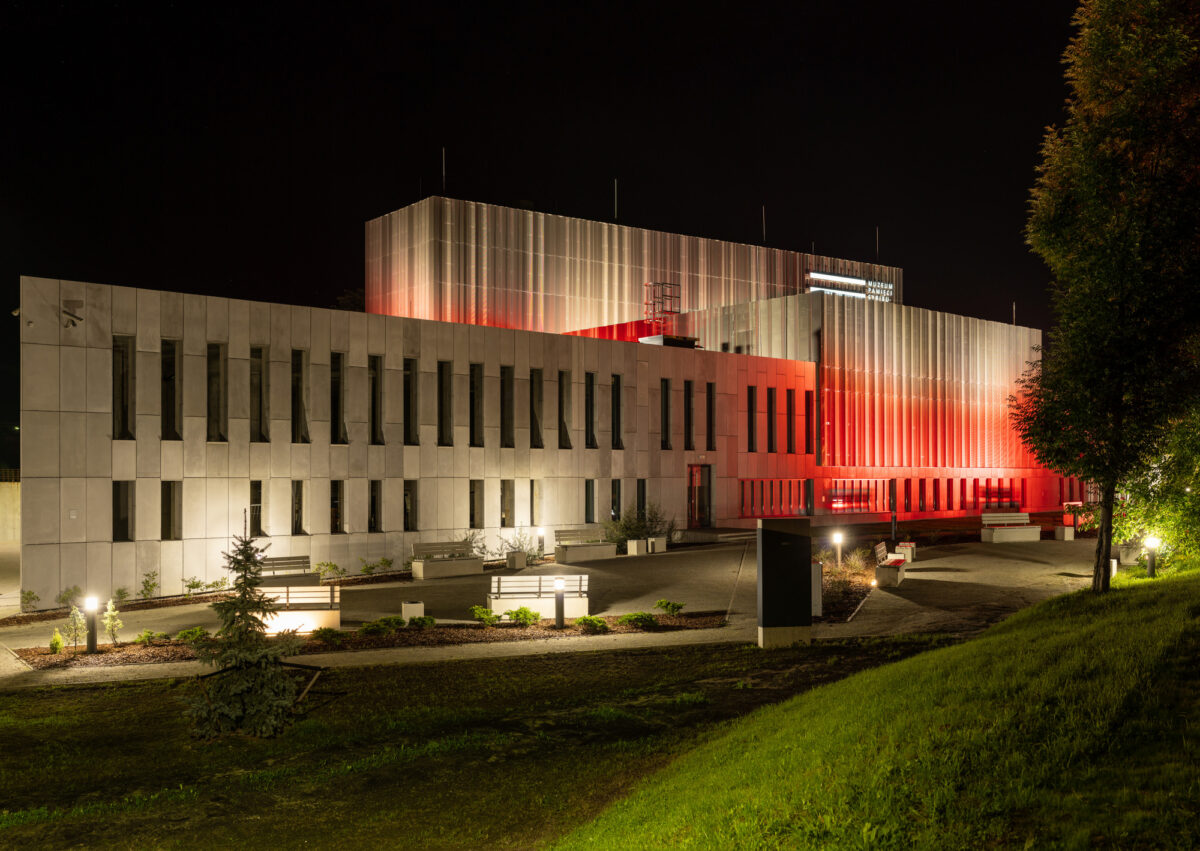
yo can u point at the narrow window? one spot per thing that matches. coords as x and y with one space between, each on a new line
298 507
617 443
535 409
808 422
688 424
791 420
411 432
614 510
589 500
589 409
751 418
122 378
507 503
564 409
445 403
937 494
218 394
476 504
259 413
172 511
410 505
337 397
375 391
337 489
771 420
641 498
122 511
256 510
724 347
908 494
710 417
375 506
171 397
475 396
299 397
921 494
535 502
506 407
664 413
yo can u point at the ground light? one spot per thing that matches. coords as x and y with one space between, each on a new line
90 604
837 542
559 603
1152 544
541 533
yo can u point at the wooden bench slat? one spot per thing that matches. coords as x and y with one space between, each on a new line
447 550
578 536
538 586
1005 519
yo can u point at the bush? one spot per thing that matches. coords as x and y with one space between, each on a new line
394 621
639 620
56 642
652 524
368 567
484 615
329 570
825 555
69 596
422 622
592 624
376 627
670 608
191 585
121 595
29 599
192 635
859 561
524 616
521 542
148 636
218 584
149 584
329 635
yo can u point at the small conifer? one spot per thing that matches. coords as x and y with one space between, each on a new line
112 623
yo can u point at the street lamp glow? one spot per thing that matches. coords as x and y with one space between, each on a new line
559 584
1153 543
838 538
90 604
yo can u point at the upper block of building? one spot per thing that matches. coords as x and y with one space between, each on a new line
465 261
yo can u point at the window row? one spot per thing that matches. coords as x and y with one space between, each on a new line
773 420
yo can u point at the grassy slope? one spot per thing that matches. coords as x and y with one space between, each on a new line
1072 723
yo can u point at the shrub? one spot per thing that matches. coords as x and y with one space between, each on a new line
329 570
148 636
639 620
484 615
376 627
193 635
385 564
69 596
394 621
523 617
149 584
329 635
76 628
859 561
521 542
191 585
29 599
422 622
591 624
368 567
218 584
56 642
652 524
825 555
112 623
121 595
670 608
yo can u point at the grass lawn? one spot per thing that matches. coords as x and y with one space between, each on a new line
1072 724
499 752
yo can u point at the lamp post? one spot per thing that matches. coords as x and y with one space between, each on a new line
89 605
837 542
1152 545
559 602
541 533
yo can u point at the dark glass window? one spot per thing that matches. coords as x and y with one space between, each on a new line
475 403
259 412
410 505
617 442
411 430
122 511
218 394
535 409
375 400
564 409
256 510
298 507
171 398
710 417
751 418
445 403
771 447
475 508
337 494
122 389
337 397
172 511
664 413
375 506
688 425
506 407
791 420
299 397
589 409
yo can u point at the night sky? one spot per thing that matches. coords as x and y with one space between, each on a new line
238 151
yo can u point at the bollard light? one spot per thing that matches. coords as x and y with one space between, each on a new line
541 533
1152 544
90 604
837 542
559 603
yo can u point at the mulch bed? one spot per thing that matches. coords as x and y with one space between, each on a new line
436 636
837 608
127 606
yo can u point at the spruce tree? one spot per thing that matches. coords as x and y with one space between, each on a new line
112 623
252 693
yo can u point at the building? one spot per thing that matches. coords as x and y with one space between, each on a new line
513 395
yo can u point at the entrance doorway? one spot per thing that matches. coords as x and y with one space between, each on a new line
699 496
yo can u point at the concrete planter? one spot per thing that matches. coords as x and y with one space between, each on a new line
438 568
658 545
410 609
515 560
637 546
576 553
1064 533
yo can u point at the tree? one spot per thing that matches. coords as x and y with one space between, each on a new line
112 623
1115 214
76 628
251 692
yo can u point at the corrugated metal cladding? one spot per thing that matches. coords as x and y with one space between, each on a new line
463 261
901 386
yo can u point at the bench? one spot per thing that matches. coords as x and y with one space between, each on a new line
889 567
435 561
537 593
286 564
572 546
998 527
304 603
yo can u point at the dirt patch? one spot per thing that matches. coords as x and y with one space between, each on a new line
435 636
127 606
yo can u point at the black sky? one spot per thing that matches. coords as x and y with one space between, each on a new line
237 151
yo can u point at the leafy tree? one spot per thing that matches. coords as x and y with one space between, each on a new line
1115 214
76 628
112 623
252 692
